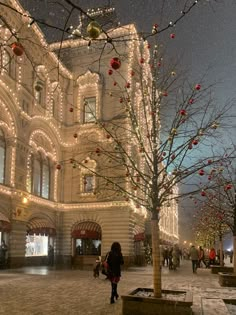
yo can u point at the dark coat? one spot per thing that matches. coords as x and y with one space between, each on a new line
115 260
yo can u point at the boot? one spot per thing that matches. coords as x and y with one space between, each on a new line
115 291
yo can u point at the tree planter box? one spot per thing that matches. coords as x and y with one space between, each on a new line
141 302
217 269
227 279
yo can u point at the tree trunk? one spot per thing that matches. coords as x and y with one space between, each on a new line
234 253
156 257
221 253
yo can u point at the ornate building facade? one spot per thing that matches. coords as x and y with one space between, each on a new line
51 97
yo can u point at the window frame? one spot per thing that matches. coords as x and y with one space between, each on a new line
93 111
3 145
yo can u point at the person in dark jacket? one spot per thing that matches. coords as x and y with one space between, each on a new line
114 261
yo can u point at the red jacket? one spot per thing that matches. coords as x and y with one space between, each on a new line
212 254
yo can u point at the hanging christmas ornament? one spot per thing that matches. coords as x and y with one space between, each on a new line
228 186
94 30
164 93
195 142
173 73
110 72
209 162
114 83
132 73
201 172
203 193
115 63
58 167
172 35
183 112
197 87
75 135
127 85
71 110
121 99
191 101
142 60
190 146
17 49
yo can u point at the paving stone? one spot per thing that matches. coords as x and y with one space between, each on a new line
40 291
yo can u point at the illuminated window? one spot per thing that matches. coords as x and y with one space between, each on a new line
87 246
88 184
36 245
2 157
40 179
89 109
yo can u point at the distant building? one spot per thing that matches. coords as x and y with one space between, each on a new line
47 121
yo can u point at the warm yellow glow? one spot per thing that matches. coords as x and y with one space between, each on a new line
24 200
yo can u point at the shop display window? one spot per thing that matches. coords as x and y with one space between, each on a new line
87 246
36 245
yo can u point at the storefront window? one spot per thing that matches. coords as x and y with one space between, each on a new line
36 245
87 246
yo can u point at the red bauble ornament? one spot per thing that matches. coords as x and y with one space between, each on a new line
17 48
228 187
209 161
75 135
165 93
209 177
197 87
132 73
97 151
115 83
172 156
190 146
159 64
142 60
183 112
127 85
203 193
191 101
148 46
195 142
71 110
58 167
172 35
121 100
110 72
201 172
115 63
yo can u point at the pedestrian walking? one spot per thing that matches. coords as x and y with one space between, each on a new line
3 251
96 267
165 254
50 255
194 257
114 261
212 256
201 257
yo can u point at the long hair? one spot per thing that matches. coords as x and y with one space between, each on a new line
116 248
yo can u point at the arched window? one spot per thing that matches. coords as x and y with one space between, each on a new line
40 176
6 61
2 156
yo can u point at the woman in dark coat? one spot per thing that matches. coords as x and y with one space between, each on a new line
114 261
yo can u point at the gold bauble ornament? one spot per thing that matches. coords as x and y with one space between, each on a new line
94 30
